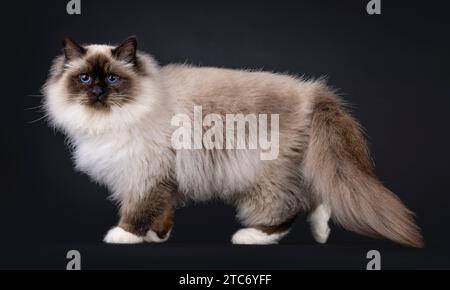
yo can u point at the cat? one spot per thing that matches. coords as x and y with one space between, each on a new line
116 106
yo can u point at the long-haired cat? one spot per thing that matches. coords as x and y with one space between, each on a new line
116 106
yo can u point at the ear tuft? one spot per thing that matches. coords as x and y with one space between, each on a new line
72 50
126 51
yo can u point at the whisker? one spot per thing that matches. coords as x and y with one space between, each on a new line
80 94
133 101
33 108
37 120
39 96
116 104
121 96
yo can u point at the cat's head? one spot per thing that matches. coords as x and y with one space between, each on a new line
94 88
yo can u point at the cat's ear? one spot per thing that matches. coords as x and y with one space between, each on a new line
126 51
72 50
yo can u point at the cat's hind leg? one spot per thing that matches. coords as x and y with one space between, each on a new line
261 228
268 211
318 220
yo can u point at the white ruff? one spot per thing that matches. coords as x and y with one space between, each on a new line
127 149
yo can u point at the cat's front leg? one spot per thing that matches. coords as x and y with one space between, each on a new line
148 219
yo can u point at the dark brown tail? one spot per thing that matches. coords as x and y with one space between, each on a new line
339 169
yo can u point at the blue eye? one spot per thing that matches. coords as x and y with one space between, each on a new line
112 79
85 78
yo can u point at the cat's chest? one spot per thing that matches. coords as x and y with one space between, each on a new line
128 164
102 152
114 159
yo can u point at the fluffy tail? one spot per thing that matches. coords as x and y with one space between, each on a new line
339 169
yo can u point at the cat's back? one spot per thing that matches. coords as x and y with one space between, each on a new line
234 90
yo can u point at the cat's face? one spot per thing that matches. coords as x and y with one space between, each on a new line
96 87
100 77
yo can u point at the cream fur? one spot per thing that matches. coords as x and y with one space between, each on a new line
230 172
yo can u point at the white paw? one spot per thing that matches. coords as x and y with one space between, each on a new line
318 220
252 236
152 237
321 234
118 235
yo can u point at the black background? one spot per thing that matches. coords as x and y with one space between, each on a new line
393 68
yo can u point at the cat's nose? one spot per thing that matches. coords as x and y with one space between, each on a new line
98 93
